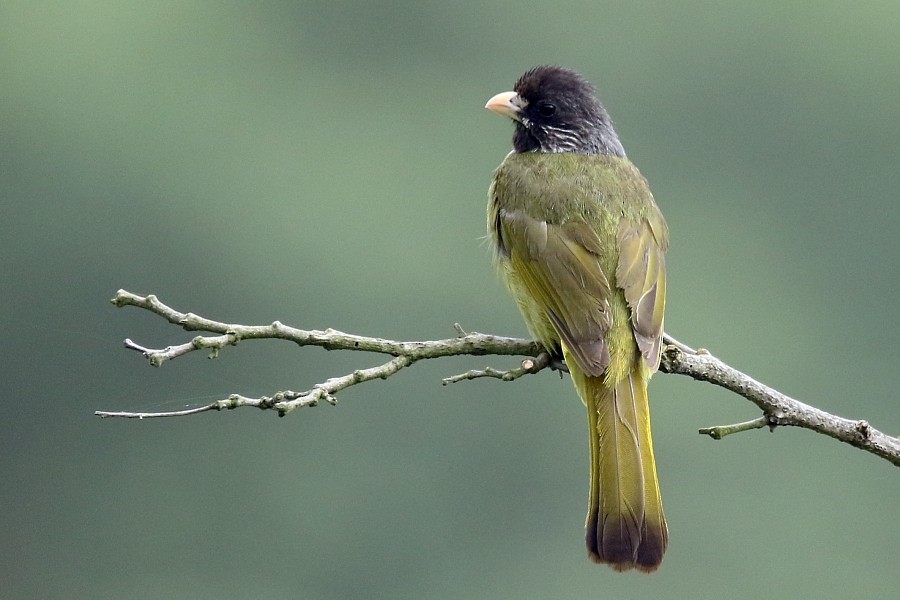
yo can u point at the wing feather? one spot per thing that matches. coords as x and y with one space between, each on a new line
557 264
641 274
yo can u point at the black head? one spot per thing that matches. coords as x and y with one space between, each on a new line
557 110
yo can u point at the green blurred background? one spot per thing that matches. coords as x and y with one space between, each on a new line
326 164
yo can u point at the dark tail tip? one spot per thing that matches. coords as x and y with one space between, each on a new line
650 554
621 554
654 541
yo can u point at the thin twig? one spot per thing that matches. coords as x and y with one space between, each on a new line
720 431
529 366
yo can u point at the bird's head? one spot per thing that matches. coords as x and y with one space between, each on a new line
557 110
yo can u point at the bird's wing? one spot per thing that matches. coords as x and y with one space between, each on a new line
641 274
560 265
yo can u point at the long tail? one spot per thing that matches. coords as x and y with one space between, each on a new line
625 525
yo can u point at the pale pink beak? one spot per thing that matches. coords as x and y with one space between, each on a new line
508 104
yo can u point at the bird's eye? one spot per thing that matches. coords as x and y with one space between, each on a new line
546 109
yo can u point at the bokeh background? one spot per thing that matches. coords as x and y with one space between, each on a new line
325 164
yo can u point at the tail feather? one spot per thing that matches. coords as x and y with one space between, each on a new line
655 536
625 525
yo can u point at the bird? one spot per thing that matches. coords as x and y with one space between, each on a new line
580 243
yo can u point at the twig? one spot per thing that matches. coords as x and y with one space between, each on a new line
778 409
720 431
529 366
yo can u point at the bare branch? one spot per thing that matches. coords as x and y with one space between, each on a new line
474 344
778 409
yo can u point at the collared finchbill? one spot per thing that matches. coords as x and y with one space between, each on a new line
581 245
